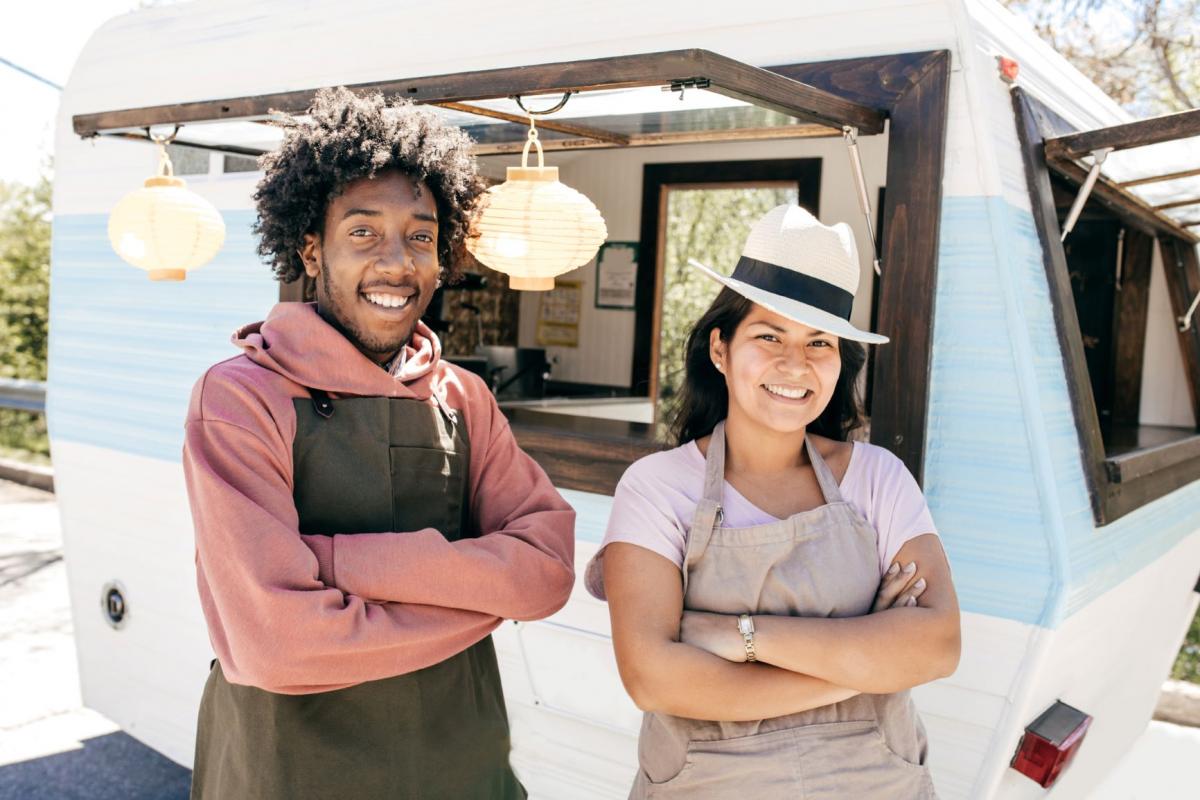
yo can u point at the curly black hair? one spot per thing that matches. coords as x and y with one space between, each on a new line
353 136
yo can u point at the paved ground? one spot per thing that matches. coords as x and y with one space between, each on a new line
53 749
1163 765
50 747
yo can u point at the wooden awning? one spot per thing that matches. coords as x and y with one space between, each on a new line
1149 168
636 100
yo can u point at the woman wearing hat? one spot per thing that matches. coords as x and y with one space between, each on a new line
776 590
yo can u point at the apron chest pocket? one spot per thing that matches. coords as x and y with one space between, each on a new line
427 489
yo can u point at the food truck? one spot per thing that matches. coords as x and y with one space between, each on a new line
1042 390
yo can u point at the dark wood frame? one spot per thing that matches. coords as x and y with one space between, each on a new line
805 172
1119 484
694 67
909 90
912 90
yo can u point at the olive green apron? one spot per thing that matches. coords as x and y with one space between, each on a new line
818 563
363 465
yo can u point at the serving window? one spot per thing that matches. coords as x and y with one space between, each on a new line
1116 209
610 395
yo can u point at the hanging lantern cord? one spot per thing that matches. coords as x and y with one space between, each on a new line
556 107
165 168
850 135
532 141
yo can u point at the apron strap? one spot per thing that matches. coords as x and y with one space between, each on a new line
714 465
708 511
321 403
444 407
829 484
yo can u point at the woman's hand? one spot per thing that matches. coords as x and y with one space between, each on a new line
716 633
898 588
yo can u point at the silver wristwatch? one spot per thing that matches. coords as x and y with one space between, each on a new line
746 628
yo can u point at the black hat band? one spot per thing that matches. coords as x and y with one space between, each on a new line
794 286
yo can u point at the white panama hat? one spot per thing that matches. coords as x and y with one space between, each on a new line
798 268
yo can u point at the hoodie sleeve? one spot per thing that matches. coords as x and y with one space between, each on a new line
521 566
272 622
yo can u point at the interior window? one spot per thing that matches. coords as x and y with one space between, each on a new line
188 160
709 224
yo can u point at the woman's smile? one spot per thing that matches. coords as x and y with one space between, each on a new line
786 393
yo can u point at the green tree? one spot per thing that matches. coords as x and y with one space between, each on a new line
24 305
1142 53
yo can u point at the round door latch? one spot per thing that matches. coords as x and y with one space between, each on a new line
113 604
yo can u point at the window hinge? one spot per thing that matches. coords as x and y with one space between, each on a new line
687 83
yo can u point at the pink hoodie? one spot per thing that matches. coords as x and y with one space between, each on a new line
301 614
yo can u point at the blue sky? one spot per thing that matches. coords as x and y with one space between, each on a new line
44 37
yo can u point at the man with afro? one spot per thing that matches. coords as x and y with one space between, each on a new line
364 517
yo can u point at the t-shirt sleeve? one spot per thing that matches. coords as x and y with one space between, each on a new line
897 506
642 514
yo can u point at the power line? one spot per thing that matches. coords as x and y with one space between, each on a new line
33 75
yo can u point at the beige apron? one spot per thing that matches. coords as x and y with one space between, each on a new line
818 563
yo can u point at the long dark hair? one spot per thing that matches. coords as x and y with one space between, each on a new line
704 399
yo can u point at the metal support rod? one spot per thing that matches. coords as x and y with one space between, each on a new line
1085 191
850 135
1185 321
1120 257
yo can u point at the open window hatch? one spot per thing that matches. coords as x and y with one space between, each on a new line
896 103
1118 209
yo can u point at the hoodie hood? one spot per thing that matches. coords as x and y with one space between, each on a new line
295 342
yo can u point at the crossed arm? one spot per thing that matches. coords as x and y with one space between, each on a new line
692 664
521 567
278 623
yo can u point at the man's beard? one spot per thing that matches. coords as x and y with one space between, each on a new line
334 314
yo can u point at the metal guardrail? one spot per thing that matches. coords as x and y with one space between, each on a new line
23 395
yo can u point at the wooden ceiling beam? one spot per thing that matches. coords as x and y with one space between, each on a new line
584 131
1170 176
1141 133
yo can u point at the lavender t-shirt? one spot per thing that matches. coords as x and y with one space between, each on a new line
657 497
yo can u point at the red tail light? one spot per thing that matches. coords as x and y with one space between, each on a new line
1050 742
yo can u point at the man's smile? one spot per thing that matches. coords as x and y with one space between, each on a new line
387 299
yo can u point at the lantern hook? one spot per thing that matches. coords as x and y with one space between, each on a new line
556 107
168 139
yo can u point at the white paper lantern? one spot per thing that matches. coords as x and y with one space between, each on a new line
532 227
164 228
